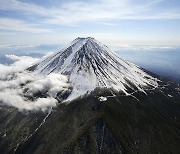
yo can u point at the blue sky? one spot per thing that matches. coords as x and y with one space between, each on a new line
113 22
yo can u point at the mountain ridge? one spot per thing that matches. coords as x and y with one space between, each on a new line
89 64
144 119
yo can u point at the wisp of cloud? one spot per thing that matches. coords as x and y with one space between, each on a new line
28 91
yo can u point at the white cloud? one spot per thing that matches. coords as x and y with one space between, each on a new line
21 26
20 64
6 33
106 23
145 48
53 83
18 85
73 12
13 98
21 6
17 46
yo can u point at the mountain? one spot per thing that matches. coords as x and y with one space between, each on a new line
114 106
89 64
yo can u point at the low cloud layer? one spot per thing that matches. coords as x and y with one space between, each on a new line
28 91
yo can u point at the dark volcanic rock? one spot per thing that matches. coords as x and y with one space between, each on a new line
122 124
106 120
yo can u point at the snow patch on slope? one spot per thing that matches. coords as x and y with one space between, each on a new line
89 65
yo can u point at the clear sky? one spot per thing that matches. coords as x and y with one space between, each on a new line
113 22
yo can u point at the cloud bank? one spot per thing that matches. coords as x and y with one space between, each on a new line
103 11
27 91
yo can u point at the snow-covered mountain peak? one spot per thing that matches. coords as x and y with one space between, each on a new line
90 64
84 38
80 42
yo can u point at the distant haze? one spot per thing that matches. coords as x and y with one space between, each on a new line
162 60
